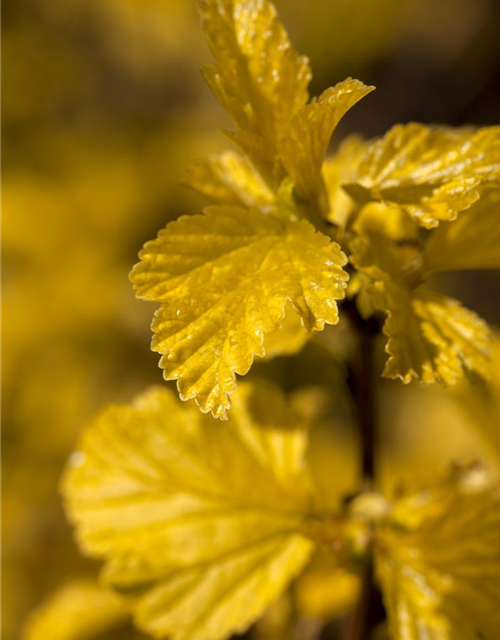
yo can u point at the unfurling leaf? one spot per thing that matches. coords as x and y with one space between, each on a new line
431 337
433 173
80 610
438 561
257 76
229 178
200 522
304 147
470 242
223 280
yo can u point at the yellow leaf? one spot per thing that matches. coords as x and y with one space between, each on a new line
470 242
327 592
338 170
431 172
431 337
438 561
201 521
79 610
229 178
304 147
288 339
223 280
257 76
400 230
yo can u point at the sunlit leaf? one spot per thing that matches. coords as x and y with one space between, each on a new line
430 337
431 172
229 178
223 279
200 520
79 610
438 561
470 242
257 76
304 147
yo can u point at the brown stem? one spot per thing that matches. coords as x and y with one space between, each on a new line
362 620
362 383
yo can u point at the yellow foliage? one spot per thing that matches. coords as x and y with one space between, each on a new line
431 337
338 170
438 560
433 173
470 242
200 520
327 593
229 178
80 610
303 148
222 283
257 76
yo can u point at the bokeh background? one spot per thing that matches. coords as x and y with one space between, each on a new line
104 108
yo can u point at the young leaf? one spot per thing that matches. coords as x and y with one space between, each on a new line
200 522
80 610
304 147
431 337
438 561
431 172
229 178
223 280
257 76
470 242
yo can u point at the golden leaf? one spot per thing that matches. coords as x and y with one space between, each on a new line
229 178
400 229
304 147
431 172
338 170
201 522
79 610
431 337
288 339
257 76
438 561
470 242
327 592
223 280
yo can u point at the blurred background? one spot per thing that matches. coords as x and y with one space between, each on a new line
104 108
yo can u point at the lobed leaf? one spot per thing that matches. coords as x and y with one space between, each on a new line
304 147
431 172
223 280
200 522
438 561
80 610
431 337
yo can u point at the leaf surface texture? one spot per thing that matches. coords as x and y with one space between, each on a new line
223 280
199 519
431 172
439 561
